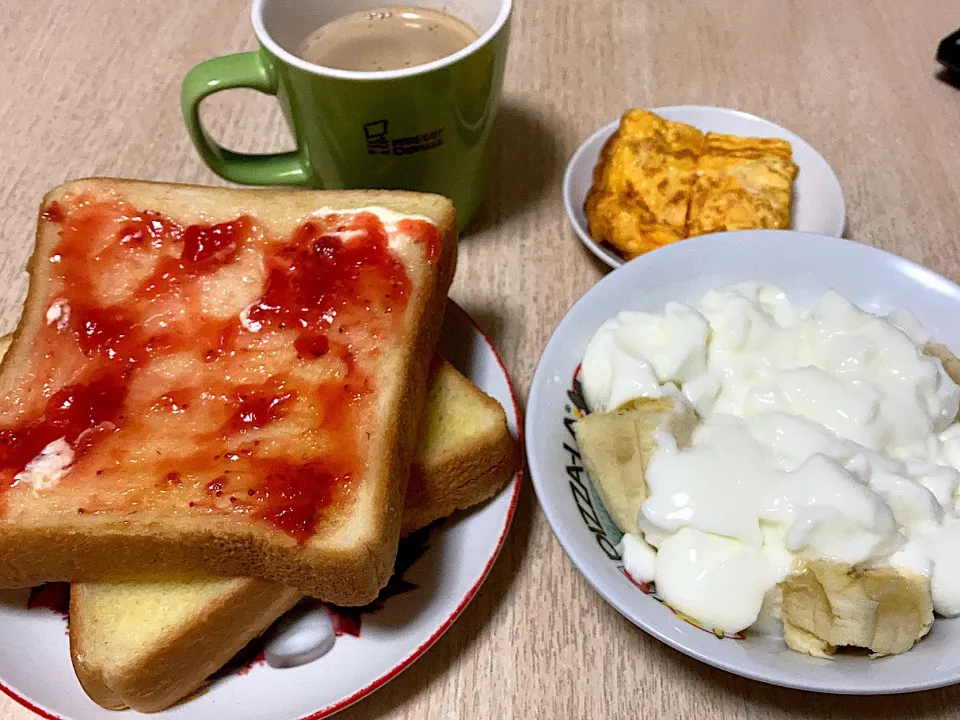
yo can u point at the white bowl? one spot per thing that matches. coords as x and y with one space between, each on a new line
818 205
804 266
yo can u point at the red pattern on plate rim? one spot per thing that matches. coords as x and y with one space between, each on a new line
9 692
346 620
53 596
426 645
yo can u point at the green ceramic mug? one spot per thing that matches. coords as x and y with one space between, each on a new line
422 128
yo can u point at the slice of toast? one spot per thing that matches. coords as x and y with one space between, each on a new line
464 451
148 645
219 382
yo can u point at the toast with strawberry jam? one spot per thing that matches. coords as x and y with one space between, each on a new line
149 645
219 382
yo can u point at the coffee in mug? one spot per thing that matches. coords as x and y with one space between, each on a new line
391 37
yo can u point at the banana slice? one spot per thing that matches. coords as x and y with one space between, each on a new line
951 364
616 447
827 605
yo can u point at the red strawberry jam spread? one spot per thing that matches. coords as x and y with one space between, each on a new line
205 368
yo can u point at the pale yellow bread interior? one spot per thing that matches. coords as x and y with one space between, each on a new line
147 645
46 535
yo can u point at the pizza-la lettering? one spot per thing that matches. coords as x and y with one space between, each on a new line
574 455
581 496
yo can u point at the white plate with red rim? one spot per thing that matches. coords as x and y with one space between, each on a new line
458 553
803 266
817 207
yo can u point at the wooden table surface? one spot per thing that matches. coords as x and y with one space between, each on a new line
92 88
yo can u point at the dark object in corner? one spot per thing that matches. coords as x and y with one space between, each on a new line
948 52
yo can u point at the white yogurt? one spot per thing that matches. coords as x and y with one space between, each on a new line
824 433
299 637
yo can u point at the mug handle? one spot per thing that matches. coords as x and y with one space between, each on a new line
242 70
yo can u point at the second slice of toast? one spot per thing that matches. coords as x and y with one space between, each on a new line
218 382
148 645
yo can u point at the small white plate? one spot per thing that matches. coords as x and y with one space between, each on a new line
35 667
818 205
803 266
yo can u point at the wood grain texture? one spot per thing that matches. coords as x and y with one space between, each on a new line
93 88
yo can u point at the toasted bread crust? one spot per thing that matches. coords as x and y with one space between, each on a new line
459 480
209 640
105 548
410 404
